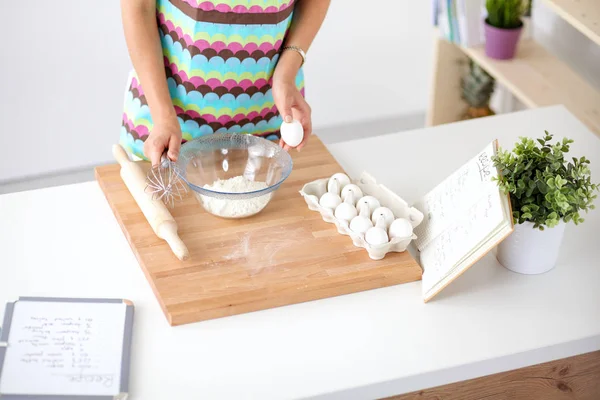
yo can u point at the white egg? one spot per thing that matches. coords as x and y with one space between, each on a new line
341 180
330 200
400 228
345 211
352 188
371 201
360 224
376 236
386 213
292 133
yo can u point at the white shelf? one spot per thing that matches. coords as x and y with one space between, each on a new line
535 76
538 78
583 15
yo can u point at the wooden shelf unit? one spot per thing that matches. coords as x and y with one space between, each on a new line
583 15
534 76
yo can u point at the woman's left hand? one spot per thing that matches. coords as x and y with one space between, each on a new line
292 106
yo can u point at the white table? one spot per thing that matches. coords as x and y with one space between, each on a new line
64 241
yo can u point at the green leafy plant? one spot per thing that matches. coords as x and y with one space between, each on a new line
506 14
544 188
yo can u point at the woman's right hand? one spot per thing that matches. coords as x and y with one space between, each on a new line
164 135
143 43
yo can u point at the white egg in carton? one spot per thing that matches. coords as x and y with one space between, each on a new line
376 218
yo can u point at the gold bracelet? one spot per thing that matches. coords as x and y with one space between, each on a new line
297 50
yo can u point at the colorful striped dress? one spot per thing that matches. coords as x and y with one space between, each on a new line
219 59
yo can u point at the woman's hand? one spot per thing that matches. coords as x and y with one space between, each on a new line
288 99
143 43
292 106
164 135
308 17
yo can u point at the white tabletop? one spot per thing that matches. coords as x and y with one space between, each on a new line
64 241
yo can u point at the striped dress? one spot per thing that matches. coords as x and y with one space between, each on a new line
219 60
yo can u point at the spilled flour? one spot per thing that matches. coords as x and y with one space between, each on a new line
228 208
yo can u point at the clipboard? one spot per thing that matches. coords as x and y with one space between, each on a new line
125 356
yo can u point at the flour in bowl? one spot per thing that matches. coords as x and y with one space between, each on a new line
228 208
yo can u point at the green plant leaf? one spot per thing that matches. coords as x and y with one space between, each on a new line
544 187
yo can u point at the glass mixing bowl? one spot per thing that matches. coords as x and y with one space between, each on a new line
233 175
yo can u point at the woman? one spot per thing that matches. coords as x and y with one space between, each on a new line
202 67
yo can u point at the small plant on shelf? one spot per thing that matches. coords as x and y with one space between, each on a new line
506 14
544 188
503 27
477 89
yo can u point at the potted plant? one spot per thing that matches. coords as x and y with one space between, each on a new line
477 89
546 191
503 27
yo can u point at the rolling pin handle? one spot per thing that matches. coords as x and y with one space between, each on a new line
168 232
120 155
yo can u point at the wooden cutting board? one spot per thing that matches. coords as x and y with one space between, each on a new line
286 254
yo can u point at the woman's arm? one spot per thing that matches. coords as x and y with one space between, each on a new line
145 51
307 20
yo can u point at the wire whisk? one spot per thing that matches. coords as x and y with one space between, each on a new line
165 182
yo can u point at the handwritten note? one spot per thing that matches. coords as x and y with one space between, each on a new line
64 349
460 238
465 187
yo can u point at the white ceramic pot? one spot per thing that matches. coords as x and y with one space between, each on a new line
531 251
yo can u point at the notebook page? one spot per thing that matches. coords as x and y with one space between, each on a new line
461 237
57 348
465 187
492 239
490 242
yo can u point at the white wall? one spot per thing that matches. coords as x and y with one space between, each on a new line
62 76
371 60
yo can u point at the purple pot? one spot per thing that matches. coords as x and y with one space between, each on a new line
501 44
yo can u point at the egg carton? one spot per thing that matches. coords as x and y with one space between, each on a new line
313 191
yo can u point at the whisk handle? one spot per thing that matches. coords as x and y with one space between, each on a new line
120 155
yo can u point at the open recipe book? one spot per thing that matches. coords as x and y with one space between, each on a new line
466 216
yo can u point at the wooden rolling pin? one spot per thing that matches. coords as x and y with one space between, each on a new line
157 214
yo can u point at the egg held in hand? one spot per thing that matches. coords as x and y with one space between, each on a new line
292 133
